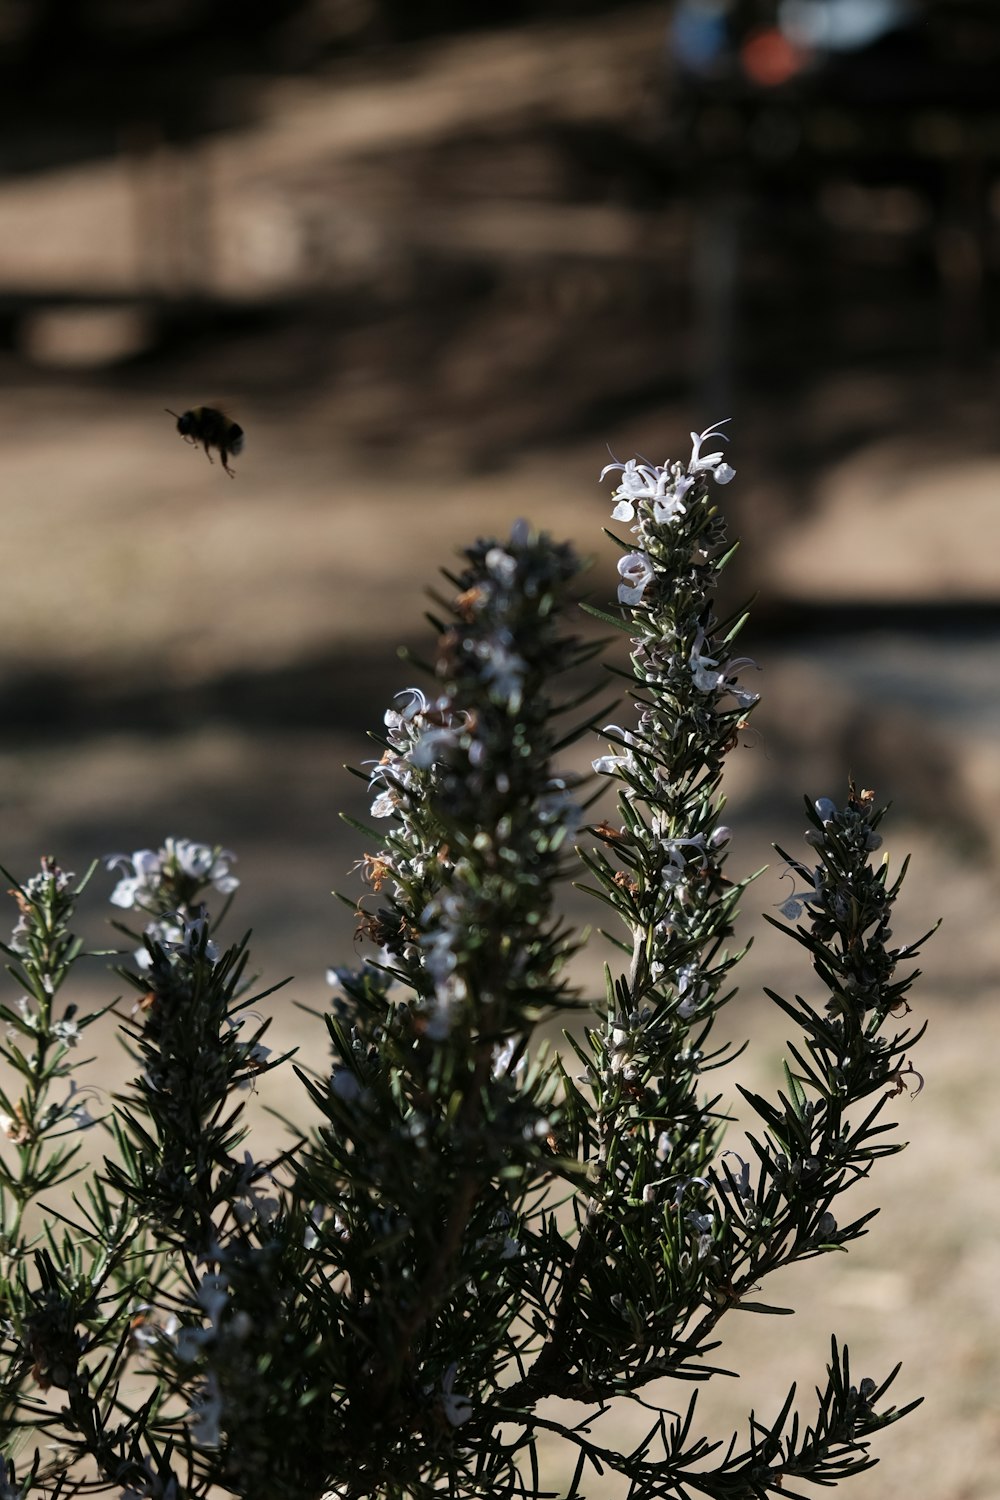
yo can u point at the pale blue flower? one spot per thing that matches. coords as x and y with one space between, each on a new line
457 1408
413 702
637 573
608 765
206 1413
712 463
665 485
705 672
502 566
148 870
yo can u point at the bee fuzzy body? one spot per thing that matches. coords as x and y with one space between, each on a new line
211 428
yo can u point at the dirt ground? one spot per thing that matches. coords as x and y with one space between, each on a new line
184 654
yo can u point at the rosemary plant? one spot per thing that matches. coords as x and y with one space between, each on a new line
483 1241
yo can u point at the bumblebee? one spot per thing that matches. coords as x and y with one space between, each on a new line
212 429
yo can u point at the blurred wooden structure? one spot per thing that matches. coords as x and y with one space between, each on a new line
820 169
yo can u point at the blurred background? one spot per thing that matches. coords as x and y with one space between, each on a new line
437 259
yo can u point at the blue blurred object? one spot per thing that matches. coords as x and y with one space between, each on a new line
840 25
707 37
699 35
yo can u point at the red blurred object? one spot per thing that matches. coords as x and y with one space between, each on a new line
769 59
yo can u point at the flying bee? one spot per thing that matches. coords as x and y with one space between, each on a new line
212 429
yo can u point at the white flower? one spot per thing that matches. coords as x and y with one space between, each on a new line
371 971
503 1057
744 697
457 1408
392 772
439 959
147 870
668 505
50 876
310 1234
205 865
50 880
142 885
206 1413
78 1112
665 485
691 990
556 806
449 993
503 669
213 1293
705 671
414 702
501 565
178 935
67 1031
262 1206
608 765
636 573
384 805
744 1188
255 1208
167 934
253 1055
430 747
419 734
194 939
621 1050
711 462
709 677
638 481
792 906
